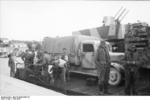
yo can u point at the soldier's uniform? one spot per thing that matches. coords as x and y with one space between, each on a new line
11 64
40 63
63 65
131 71
131 74
102 62
67 66
28 58
46 61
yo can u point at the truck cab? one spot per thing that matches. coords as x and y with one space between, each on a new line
86 55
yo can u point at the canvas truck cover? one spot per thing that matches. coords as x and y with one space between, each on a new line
56 45
71 43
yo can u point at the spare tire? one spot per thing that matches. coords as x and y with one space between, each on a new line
114 77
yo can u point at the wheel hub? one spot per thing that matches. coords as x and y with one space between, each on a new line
113 76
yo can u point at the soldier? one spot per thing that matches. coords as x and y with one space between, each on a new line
131 74
11 64
102 62
46 62
63 66
40 63
65 55
56 71
28 58
67 66
59 72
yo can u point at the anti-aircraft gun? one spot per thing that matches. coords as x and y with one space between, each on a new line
117 30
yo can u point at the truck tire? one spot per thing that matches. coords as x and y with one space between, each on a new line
114 77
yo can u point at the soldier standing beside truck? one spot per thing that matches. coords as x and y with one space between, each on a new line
102 62
65 58
59 72
40 64
136 44
131 75
27 57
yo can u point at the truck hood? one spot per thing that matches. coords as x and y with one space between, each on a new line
116 56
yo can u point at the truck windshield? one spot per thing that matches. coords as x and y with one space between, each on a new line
117 45
88 48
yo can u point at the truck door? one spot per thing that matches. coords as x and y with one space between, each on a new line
87 55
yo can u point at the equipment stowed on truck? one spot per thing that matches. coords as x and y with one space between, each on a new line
137 47
81 50
137 44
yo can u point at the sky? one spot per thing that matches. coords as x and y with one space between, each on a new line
33 20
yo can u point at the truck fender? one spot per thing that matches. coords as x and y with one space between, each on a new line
116 74
118 66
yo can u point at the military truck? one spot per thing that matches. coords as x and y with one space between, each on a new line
81 50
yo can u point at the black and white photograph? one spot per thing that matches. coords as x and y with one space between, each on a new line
74 48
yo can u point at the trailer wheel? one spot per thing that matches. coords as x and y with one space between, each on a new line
114 77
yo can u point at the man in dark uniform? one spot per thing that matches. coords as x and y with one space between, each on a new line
11 64
131 74
102 62
60 71
41 67
40 63
28 58
67 66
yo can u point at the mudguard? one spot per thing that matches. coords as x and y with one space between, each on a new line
118 66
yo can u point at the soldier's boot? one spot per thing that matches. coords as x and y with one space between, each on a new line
134 91
100 87
106 91
127 92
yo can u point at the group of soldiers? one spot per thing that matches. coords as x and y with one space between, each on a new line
38 62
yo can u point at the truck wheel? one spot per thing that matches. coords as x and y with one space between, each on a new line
114 77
